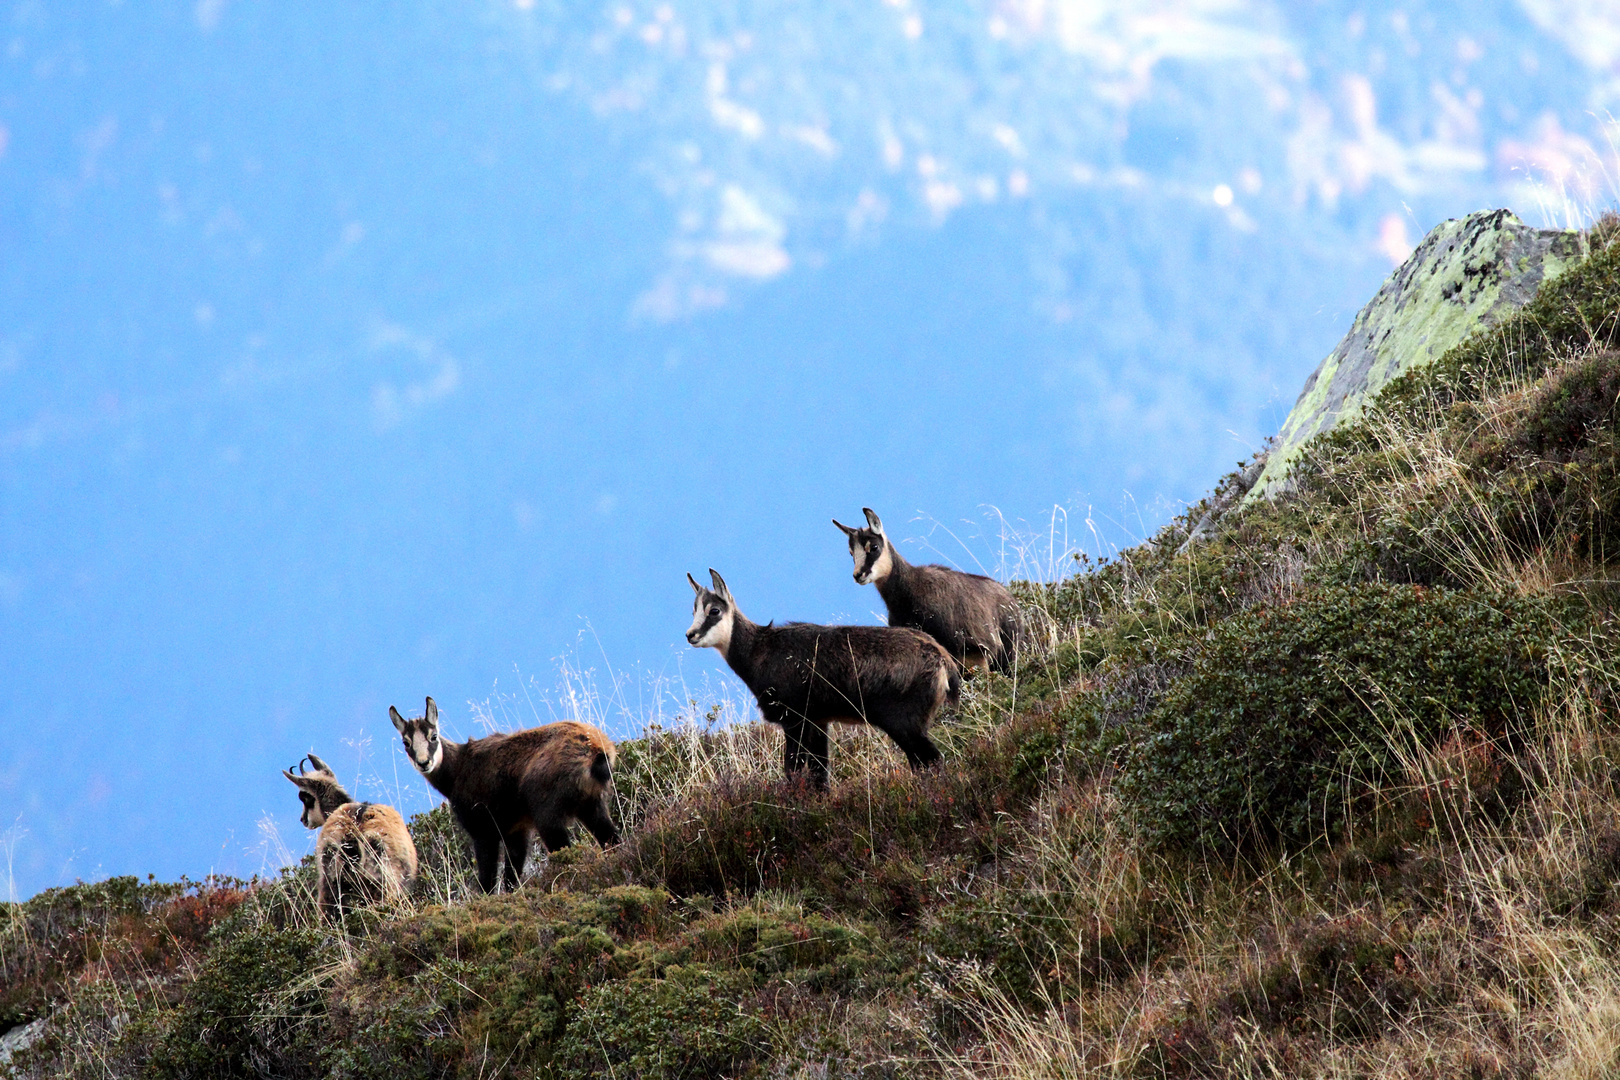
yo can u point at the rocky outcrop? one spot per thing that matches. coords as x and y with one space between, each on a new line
20 1038
1466 274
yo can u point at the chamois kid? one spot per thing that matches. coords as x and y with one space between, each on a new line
973 616
364 851
806 676
505 788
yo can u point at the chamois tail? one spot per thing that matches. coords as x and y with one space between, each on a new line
950 675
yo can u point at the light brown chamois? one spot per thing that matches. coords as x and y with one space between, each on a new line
364 852
506 788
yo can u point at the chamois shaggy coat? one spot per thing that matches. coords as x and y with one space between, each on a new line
973 616
806 676
364 852
505 789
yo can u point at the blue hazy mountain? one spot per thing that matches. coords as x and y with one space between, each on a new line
351 356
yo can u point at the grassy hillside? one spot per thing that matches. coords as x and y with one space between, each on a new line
1333 791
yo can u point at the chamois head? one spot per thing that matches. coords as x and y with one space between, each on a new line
713 613
318 790
870 547
421 737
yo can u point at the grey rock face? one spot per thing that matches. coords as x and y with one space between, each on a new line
1467 274
20 1038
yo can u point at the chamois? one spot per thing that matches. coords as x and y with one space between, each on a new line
973 616
806 676
364 850
505 788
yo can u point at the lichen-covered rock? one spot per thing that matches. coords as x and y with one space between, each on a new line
1467 274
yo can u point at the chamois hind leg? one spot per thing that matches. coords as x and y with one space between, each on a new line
327 900
593 814
908 727
805 749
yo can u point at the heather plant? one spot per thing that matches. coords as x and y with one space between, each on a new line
1288 712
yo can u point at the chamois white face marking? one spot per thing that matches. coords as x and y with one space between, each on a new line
312 817
421 737
712 617
870 550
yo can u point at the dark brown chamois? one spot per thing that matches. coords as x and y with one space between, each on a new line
506 788
806 676
364 851
973 616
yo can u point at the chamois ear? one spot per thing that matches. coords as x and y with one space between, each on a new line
873 520
695 586
295 779
431 714
320 766
847 530
720 585
399 721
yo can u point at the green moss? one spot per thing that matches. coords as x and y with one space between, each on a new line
1575 312
494 978
778 937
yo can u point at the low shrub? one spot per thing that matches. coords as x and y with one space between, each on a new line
254 1009
694 1023
122 924
1288 711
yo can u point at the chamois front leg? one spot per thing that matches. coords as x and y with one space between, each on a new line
516 852
487 851
805 750
594 816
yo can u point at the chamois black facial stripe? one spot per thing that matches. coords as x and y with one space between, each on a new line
873 550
